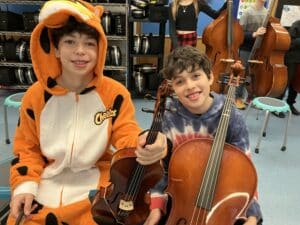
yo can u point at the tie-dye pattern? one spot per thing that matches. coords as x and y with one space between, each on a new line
180 125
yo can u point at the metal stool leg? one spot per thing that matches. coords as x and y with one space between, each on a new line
266 123
283 148
262 131
6 125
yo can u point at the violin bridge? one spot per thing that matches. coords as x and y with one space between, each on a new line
126 205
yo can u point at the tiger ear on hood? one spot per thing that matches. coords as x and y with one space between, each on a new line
99 10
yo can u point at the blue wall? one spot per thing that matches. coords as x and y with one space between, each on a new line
203 19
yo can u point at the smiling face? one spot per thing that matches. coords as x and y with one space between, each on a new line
78 55
192 89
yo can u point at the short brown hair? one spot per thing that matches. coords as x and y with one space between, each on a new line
186 58
72 25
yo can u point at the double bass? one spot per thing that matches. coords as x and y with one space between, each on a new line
217 185
124 201
266 61
222 39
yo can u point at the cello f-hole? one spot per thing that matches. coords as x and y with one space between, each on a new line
181 221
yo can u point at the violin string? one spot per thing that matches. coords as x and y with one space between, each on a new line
135 181
139 171
137 177
215 156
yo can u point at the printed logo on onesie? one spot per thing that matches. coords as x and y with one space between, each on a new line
101 116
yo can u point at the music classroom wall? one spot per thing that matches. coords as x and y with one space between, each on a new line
204 20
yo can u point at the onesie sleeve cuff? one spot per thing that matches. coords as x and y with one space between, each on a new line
29 187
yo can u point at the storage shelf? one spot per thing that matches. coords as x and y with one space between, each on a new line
14 87
20 64
24 2
15 64
116 38
147 55
21 2
15 33
133 56
115 68
120 40
27 34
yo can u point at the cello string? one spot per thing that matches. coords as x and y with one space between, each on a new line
215 155
222 136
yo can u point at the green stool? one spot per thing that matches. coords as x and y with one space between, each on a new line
14 101
270 105
4 192
4 207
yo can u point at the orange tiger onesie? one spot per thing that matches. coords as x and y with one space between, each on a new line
63 138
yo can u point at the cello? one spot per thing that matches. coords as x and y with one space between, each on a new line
123 201
222 39
266 61
220 178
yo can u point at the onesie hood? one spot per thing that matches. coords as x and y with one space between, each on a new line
54 14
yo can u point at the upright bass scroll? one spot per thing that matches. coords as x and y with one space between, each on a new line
222 39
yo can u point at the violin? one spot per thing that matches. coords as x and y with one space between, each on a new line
21 218
124 201
217 185
222 39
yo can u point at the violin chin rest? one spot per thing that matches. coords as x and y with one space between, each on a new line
104 220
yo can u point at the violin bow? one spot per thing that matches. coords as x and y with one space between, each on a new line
21 218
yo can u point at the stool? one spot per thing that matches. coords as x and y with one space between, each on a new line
270 105
4 193
4 209
14 101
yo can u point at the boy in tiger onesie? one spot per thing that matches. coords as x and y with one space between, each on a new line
69 119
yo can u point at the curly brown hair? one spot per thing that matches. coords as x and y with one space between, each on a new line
186 58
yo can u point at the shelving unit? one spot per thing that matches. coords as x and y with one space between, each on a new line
120 72
133 57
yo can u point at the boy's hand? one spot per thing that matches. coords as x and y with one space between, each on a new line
251 220
153 217
17 203
151 153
